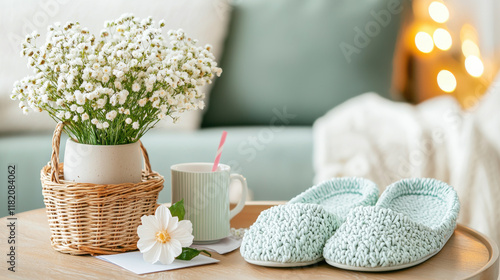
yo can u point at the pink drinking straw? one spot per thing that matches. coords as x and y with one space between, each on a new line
219 151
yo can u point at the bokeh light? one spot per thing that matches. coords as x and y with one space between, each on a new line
442 39
470 48
424 42
439 12
474 66
446 81
468 32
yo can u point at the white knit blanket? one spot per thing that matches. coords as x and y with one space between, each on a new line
385 141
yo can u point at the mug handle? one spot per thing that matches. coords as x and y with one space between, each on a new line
244 190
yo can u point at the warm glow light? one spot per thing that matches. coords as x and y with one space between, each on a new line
438 12
468 32
442 39
446 81
474 66
423 41
470 48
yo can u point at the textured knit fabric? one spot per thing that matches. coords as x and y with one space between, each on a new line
297 232
412 220
289 233
340 195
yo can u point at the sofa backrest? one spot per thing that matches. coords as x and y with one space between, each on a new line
301 58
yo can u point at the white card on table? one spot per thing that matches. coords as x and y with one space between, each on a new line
133 261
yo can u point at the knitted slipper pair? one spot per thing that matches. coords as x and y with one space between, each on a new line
342 221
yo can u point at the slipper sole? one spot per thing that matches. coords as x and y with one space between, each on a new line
280 264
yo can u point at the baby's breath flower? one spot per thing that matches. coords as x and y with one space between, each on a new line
100 103
136 87
113 100
130 69
118 73
143 102
89 87
111 115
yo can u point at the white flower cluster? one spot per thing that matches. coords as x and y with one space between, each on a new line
126 79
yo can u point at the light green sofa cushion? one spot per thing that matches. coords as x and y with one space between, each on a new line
277 161
304 57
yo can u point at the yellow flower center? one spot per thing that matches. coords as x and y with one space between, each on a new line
162 236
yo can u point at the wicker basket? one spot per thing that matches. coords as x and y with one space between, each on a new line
96 219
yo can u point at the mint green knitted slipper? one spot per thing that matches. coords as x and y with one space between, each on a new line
294 234
411 222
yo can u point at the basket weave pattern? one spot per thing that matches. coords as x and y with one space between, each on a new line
95 219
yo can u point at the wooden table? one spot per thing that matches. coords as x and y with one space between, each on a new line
467 255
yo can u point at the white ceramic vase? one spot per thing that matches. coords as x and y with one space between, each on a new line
102 164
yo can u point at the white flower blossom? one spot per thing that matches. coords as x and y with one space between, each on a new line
135 125
128 121
122 97
85 116
136 87
161 237
118 73
89 87
45 98
111 115
142 102
106 70
113 100
101 103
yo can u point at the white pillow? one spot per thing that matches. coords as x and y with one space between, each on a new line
205 20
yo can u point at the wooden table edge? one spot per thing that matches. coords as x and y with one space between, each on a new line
489 269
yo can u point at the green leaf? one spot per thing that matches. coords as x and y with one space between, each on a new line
189 253
177 210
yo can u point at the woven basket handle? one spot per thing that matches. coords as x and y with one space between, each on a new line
54 158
